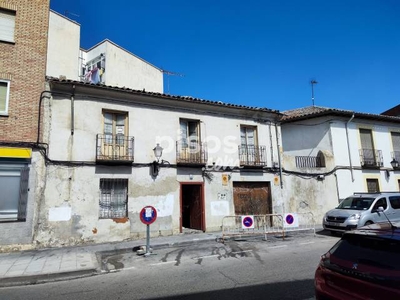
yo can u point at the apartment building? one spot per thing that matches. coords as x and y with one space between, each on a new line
23 55
354 151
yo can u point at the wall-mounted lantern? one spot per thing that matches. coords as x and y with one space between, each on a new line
394 163
155 165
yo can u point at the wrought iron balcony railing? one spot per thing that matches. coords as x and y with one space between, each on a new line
191 153
114 147
251 155
371 158
309 162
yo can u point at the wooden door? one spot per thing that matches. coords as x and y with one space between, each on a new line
252 198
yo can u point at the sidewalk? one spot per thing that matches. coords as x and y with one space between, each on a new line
45 265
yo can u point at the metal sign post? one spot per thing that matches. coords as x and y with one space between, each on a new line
148 215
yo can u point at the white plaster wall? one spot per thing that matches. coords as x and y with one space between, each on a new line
307 137
161 126
69 214
123 69
63 47
303 195
72 195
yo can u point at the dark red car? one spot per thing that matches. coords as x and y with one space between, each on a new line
363 264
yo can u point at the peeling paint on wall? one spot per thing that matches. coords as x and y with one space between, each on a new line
162 188
219 208
165 206
60 214
121 220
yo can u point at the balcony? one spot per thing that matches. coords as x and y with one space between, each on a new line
114 148
191 154
252 156
371 158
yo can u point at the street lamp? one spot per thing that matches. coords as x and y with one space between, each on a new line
158 152
394 163
155 165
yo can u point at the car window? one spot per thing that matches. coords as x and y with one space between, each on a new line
370 251
358 203
395 202
381 202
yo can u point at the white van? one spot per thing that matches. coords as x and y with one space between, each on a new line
362 209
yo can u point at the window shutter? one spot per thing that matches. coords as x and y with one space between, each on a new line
250 137
366 139
184 133
396 141
23 194
7 25
243 136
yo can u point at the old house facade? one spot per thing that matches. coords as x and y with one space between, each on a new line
23 49
346 151
218 159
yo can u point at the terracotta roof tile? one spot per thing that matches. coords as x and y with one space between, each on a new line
161 95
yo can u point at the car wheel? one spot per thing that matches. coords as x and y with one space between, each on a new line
368 223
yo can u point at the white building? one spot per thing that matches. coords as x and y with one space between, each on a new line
105 63
360 148
218 159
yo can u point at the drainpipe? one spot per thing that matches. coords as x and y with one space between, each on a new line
270 141
72 110
279 155
348 147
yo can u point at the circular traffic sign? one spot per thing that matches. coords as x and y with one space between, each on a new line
148 215
289 219
247 222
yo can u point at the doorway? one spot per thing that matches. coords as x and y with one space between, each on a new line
192 206
252 198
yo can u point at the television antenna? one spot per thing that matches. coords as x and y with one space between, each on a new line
169 73
313 81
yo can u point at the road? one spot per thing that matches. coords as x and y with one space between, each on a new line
236 270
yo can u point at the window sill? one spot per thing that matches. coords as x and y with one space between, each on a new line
11 221
5 115
117 220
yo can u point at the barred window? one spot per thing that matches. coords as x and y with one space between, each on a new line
113 198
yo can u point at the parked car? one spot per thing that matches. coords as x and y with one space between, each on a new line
360 209
363 264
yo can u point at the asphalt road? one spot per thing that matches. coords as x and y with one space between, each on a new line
236 270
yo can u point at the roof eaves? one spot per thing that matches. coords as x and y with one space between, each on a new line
161 95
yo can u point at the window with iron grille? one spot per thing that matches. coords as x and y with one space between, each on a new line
113 198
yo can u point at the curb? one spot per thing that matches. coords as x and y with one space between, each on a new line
70 275
44 278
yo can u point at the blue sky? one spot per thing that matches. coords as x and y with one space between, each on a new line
258 53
